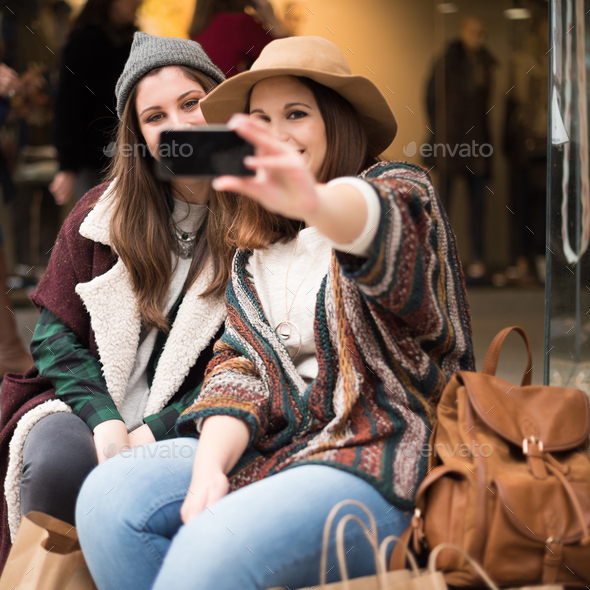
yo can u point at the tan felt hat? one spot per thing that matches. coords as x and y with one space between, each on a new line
310 57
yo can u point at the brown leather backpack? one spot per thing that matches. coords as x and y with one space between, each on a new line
509 481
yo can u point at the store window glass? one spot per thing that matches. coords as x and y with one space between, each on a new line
567 346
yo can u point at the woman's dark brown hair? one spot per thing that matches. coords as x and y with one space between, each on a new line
347 154
140 224
205 10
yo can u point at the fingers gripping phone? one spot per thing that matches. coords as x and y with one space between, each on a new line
204 152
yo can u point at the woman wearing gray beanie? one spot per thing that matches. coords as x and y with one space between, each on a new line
131 303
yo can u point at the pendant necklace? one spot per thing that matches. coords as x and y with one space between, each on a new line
287 328
185 242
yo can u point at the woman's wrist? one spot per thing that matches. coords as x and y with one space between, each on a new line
221 444
340 213
110 438
206 464
112 427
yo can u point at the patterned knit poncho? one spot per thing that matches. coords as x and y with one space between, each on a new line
390 331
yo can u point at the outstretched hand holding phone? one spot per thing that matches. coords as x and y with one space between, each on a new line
284 184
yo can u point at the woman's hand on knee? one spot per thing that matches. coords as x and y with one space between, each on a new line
222 442
205 489
110 438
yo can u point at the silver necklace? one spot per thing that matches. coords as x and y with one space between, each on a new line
185 242
285 329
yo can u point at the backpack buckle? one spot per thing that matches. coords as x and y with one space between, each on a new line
533 440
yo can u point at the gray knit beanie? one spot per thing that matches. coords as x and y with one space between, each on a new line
149 52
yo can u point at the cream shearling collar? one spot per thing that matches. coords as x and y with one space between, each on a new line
116 323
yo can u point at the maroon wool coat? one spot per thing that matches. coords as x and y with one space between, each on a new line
74 260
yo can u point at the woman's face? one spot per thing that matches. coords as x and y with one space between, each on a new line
289 109
166 100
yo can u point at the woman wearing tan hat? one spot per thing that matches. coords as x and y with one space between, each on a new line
347 315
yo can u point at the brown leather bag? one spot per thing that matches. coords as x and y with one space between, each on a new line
520 506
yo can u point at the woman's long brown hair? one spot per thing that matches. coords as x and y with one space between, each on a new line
348 153
140 224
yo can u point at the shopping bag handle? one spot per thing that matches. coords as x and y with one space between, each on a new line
371 534
383 552
340 553
436 551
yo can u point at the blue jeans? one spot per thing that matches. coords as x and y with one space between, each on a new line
266 534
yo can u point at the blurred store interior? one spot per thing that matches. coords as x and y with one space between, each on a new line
490 89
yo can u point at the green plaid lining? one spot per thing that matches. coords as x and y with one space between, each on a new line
162 424
74 370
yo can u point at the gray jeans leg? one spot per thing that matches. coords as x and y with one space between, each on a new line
58 454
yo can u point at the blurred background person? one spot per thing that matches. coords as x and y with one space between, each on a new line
13 355
458 94
525 144
93 59
9 83
33 34
234 32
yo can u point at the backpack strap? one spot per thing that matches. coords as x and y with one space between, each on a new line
397 560
491 361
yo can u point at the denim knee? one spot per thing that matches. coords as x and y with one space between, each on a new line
129 509
127 486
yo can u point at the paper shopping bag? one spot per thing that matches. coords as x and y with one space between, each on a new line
46 555
382 580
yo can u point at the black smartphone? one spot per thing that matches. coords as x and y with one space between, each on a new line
204 152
